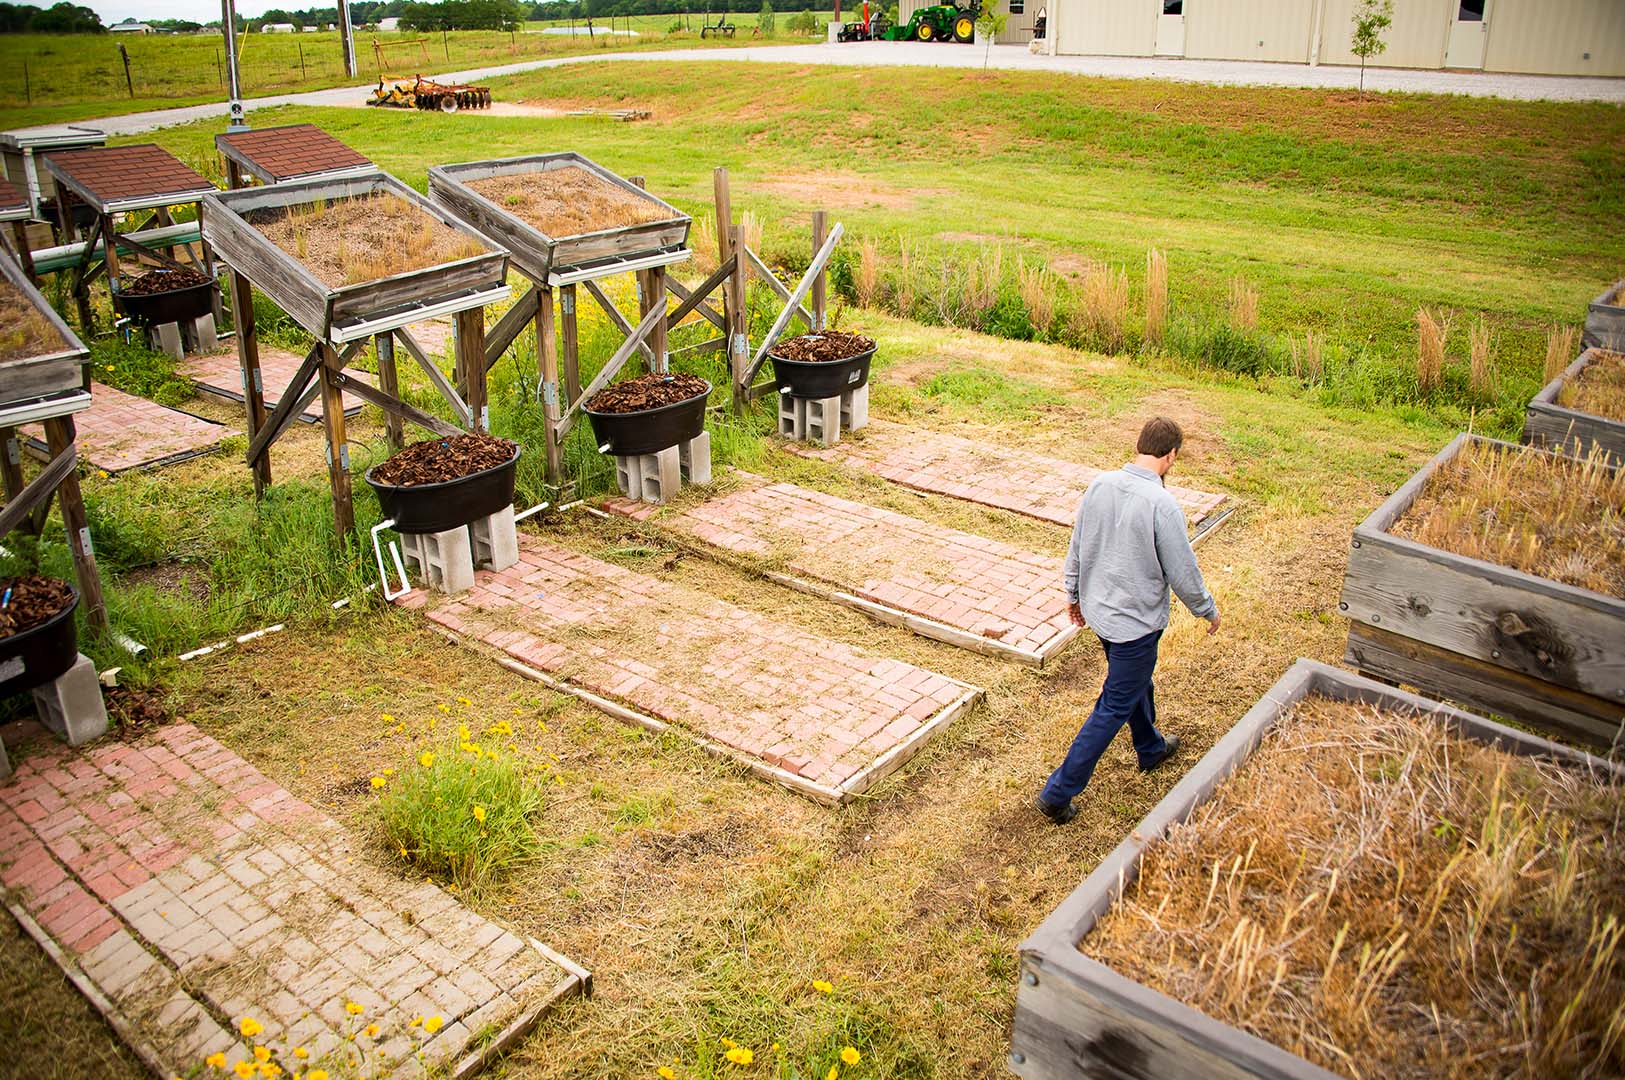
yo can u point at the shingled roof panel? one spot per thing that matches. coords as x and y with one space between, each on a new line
281 153
11 200
118 174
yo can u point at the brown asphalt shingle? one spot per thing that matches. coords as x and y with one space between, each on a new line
281 153
112 174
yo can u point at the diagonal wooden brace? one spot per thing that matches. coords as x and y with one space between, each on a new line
793 304
613 367
39 490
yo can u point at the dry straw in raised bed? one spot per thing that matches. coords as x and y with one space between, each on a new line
1387 900
367 237
24 331
569 201
1600 388
1546 514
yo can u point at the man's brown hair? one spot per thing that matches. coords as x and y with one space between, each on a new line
1159 436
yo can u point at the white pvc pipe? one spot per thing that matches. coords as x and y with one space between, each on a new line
395 553
523 514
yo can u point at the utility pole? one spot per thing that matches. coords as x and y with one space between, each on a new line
346 39
228 24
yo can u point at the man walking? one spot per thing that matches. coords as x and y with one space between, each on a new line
1128 548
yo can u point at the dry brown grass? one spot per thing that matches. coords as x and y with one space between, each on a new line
1481 359
1243 305
866 278
983 277
750 230
1546 514
1037 286
568 201
1431 331
904 290
1561 345
1388 900
702 241
348 241
1102 309
24 331
1156 296
1599 389
1307 361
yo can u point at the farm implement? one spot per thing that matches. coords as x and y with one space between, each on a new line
938 22
422 93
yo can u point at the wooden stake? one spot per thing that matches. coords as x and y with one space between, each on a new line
654 297
25 256
725 214
572 346
738 329
471 362
11 463
59 437
820 229
389 383
547 368
248 356
338 449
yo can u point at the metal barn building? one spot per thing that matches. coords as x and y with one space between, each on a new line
1545 37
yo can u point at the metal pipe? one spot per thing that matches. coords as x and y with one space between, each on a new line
228 24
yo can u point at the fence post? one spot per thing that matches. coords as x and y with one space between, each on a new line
125 56
820 230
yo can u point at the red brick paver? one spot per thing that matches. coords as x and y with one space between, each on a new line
121 431
222 376
191 891
962 584
829 717
1034 485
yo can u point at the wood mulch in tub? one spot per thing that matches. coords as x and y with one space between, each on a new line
26 602
24 331
652 391
824 347
1599 389
161 280
1546 514
364 238
435 461
1388 900
569 201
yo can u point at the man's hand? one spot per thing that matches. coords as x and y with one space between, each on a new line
1213 625
1076 613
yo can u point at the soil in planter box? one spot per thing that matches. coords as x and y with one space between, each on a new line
348 241
824 347
1387 900
569 201
434 461
33 601
1600 388
645 392
1546 514
161 280
24 331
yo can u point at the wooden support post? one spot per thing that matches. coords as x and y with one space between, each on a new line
820 229
248 356
571 344
81 291
11 463
25 255
471 359
738 330
389 383
547 367
725 214
59 438
654 297
112 251
338 449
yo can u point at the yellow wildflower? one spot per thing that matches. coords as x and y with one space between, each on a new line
426 759
665 1072
352 1008
316 1074
270 1070
301 1053
372 1031
823 987
479 814
740 1055
416 1022
464 701
388 719
389 772
378 782
850 1055
443 708
250 1027
728 1044
433 1024
216 1060
403 853
262 1053
834 1073
775 1048
464 734
243 1069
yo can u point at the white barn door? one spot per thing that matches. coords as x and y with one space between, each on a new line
1468 32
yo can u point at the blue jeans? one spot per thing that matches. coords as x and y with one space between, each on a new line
1126 698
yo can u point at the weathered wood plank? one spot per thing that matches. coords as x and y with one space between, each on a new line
393 407
1605 320
622 323
695 300
1557 427
59 370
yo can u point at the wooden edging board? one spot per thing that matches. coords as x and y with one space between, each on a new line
320 308
1605 320
1490 616
534 252
1550 425
48 373
1075 1017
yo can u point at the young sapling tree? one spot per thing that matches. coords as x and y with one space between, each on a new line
1372 18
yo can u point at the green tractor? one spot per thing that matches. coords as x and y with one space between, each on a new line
940 22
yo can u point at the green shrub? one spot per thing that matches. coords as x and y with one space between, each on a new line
462 813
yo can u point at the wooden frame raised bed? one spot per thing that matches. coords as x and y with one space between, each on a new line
1548 424
1605 320
1076 1017
57 372
1487 635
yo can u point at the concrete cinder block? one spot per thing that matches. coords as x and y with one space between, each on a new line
855 408
792 417
166 338
200 334
496 540
823 420
694 459
661 474
445 559
71 706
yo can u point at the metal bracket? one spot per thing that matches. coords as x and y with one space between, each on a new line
567 303
13 453
344 456
84 541
550 392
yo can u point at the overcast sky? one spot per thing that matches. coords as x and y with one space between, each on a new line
113 11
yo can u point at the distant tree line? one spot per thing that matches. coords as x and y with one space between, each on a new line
464 15
63 18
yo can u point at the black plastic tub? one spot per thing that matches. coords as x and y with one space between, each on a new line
432 508
650 430
174 306
40 654
819 379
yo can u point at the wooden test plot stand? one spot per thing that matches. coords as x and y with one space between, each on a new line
344 319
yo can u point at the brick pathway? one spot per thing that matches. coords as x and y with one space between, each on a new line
120 431
222 376
1037 486
824 718
183 891
940 582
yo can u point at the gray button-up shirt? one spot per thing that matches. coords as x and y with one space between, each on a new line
1128 547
